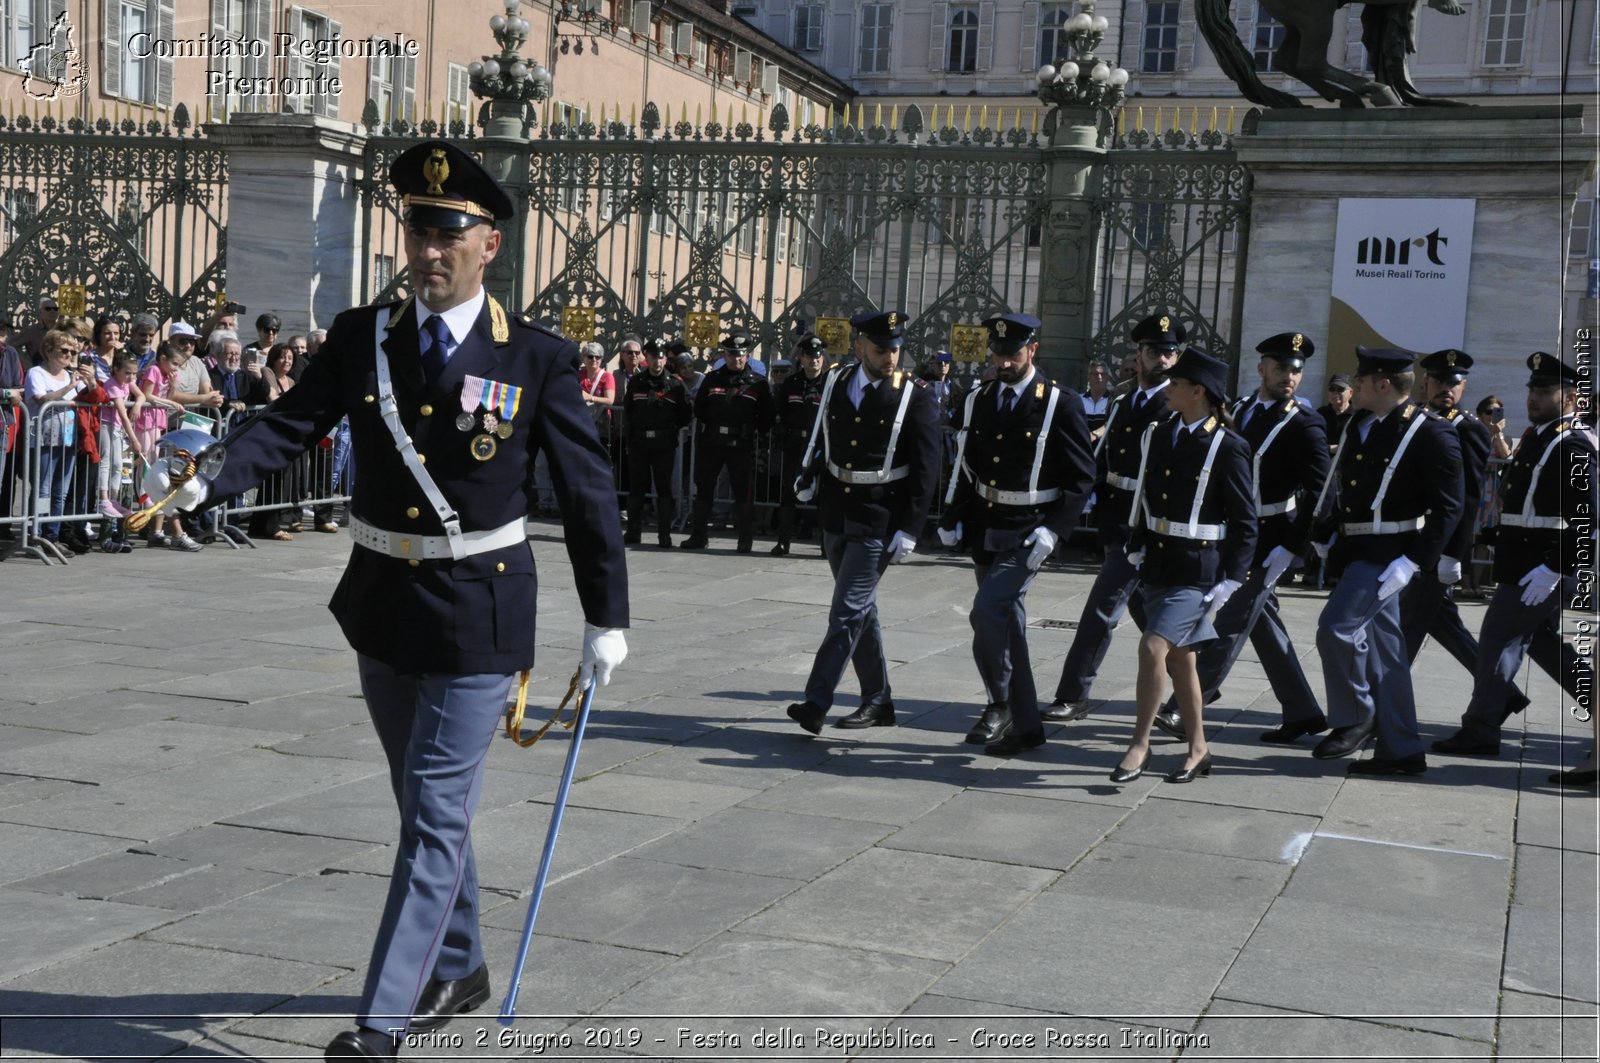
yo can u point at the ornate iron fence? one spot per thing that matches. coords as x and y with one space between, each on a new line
135 212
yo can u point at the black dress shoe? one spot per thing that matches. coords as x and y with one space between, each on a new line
630 538
1064 711
1415 764
1576 777
808 715
444 999
695 542
362 1043
1343 741
869 716
1012 743
992 726
1202 769
1462 744
1290 732
664 539
745 546
1517 703
1120 774
1172 724
781 549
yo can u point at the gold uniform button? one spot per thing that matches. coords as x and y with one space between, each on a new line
501 567
413 512
999 435
997 459
1169 472
994 483
370 398
1352 483
1163 496
858 420
1358 457
415 563
847 490
423 458
849 465
1124 450
425 410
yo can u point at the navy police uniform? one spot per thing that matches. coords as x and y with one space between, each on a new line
1428 606
733 408
797 401
874 454
1025 464
1549 496
1393 494
1116 472
1289 461
657 407
441 626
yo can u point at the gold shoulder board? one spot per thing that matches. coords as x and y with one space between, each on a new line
1038 390
1211 424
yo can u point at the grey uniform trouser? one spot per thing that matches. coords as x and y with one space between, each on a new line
1427 607
1511 632
853 635
1364 662
1113 588
1000 636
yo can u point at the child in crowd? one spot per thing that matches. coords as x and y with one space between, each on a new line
117 435
155 384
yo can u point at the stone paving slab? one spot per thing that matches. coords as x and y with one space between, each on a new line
1533 1026
42 931
766 842
1249 1030
1008 830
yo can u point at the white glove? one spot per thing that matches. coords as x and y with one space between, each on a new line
1396 576
1449 571
157 482
1538 585
1218 597
603 649
1322 549
1278 562
901 547
1043 541
950 536
1136 558
805 488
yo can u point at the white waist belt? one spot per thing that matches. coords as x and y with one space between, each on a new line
1210 533
1124 482
1016 498
868 476
1272 509
435 547
1384 527
1524 520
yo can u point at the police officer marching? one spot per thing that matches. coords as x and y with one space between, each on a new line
1391 502
450 399
1022 476
657 406
1289 462
798 399
1428 605
1194 532
872 462
1159 337
1549 496
733 407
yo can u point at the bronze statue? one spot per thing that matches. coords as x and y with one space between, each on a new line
1388 31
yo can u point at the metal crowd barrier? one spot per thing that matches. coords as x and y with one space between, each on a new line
304 491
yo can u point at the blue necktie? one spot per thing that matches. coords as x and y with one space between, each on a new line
1008 401
435 348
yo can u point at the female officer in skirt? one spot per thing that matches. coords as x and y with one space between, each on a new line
1194 531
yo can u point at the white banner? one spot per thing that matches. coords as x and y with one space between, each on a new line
1399 276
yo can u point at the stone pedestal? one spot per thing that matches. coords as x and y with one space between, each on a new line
294 217
1067 284
1521 164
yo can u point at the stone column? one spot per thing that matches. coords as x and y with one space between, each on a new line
1522 164
294 217
505 155
1067 281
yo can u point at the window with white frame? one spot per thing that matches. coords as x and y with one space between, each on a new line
392 81
24 23
309 79
1159 54
134 73
961 52
876 22
458 104
1269 35
1053 33
1585 242
808 28
1505 31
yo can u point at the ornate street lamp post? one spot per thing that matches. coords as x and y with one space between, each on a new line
508 81
1083 87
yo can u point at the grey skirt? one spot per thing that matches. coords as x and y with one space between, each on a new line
1177 614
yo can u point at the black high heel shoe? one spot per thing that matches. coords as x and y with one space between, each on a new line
1202 769
1121 774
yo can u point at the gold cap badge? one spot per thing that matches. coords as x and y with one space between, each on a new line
1450 359
1165 323
893 318
1296 342
437 171
1536 359
1000 329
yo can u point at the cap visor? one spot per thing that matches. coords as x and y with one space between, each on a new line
441 218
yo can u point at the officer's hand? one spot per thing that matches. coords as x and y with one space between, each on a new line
191 493
1043 541
1396 576
1218 597
1136 559
950 537
1278 562
1449 571
901 547
1323 548
603 649
805 488
1538 585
